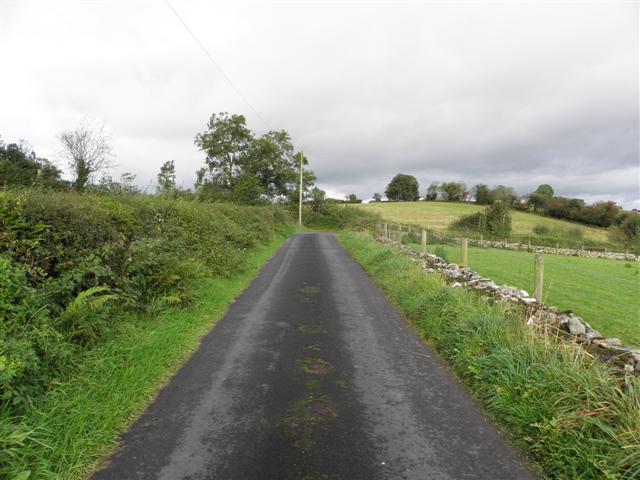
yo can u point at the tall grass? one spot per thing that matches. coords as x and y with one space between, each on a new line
570 414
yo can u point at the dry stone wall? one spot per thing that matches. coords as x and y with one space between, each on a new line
570 326
396 231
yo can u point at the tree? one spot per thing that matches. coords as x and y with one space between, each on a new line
498 221
504 194
377 197
453 191
20 166
87 150
243 168
626 230
318 199
545 190
225 142
482 194
352 198
432 191
404 188
167 178
273 161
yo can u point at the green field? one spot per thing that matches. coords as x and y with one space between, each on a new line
606 293
439 215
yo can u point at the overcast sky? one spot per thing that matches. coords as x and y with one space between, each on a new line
494 92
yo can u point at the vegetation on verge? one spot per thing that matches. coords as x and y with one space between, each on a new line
68 430
606 293
569 413
72 265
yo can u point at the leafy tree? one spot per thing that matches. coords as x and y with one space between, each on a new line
352 198
318 199
87 150
20 166
545 190
498 219
432 192
243 168
504 194
167 178
377 197
225 142
495 221
626 230
453 191
272 159
482 193
404 188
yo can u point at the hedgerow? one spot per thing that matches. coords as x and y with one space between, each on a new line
69 263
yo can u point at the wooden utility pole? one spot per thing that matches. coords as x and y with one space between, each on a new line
464 252
300 198
539 277
423 241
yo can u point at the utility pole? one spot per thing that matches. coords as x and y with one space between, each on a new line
300 199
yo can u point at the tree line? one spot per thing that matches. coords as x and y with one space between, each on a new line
239 167
543 200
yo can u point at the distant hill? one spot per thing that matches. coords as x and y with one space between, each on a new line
439 215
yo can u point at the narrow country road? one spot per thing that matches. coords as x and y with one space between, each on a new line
313 375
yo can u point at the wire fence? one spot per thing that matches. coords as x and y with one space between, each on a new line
402 232
605 293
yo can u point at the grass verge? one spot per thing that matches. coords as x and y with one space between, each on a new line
69 431
606 293
567 412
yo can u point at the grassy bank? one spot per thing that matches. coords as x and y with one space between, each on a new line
439 215
606 293
565 411
68 430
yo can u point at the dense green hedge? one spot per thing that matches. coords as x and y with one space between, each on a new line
70 263
337 217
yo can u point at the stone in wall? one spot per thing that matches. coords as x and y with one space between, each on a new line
573 327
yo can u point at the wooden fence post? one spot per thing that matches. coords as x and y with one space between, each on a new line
423 241
557 247
464 249
386 230
539 277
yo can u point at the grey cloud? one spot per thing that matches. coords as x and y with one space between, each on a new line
517 94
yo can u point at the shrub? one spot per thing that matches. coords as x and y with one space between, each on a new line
69 262
494 221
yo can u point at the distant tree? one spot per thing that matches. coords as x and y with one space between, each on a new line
167 178
352 198
482 194
545 190
432 192
498 219
377 197
626 230
272 160
225 142
318 199
453 191
247 169
494 221
20 166
87 150
504 194
404 188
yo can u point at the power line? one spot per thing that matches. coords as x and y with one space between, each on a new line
215 64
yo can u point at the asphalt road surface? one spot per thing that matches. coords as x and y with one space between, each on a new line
313 375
